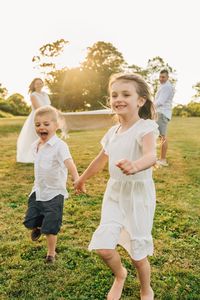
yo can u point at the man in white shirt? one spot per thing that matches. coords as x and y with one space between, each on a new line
163 103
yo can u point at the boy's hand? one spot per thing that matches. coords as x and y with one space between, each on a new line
128 167
79 186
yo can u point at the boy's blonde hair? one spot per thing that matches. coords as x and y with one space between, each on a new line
47 110
56 116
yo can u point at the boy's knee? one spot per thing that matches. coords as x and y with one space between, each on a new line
105 253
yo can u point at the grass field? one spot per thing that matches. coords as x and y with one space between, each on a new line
77 273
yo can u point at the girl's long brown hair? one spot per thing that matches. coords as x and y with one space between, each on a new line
147 111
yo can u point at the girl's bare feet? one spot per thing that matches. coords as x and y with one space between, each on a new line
117 287
149 295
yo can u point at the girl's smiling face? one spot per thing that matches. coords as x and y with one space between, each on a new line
124 99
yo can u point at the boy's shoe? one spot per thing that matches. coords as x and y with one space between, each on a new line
50 259
162 163
35 234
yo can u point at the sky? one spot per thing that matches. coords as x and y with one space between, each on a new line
140 30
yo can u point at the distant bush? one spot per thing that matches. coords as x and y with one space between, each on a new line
192 109
4 114
15 105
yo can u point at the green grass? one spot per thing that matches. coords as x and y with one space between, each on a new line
77 273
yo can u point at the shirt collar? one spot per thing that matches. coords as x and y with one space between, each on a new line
52 141
166 83
34 145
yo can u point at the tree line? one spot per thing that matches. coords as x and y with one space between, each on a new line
85 87
12 105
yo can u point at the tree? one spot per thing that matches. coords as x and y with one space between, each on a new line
103 59
152 70
67 89
181 111
154 66
47 54
196 87
18 105
15 105
192 109
3 91
85 87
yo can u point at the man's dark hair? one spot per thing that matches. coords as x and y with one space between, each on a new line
164 71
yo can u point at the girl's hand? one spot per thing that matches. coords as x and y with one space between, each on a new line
128 167
79 186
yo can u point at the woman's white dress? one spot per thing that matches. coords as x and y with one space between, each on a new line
28 134
129 201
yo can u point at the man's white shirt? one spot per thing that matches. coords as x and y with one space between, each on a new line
163 99
49 169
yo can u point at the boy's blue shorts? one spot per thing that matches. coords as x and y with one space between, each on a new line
45 214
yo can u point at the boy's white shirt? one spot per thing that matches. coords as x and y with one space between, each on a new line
49 169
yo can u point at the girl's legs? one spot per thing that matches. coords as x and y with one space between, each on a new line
144 274
51 244
113 261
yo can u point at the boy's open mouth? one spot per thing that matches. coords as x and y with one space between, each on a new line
43 133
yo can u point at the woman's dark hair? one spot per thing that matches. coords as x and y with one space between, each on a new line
32 85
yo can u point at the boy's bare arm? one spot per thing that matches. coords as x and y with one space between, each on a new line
70 165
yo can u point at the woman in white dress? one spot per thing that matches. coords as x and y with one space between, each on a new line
28 134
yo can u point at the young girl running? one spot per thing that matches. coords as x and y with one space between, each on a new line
129 200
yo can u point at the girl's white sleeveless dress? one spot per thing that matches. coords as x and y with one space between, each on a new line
129 201
28 134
